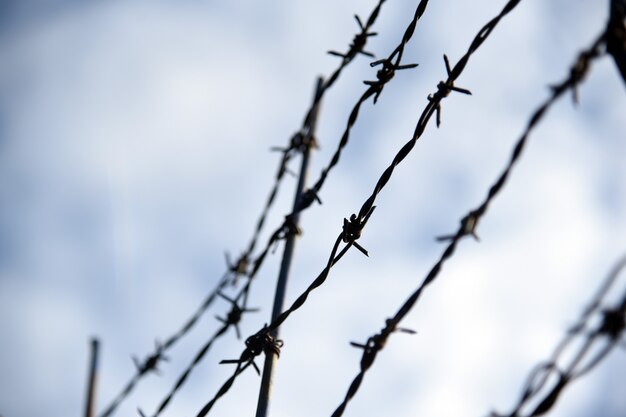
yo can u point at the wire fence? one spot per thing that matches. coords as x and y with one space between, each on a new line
545 383
468 225
245 266
597 326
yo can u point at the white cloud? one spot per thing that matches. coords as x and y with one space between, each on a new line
135 139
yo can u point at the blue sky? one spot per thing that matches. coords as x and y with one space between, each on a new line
134 141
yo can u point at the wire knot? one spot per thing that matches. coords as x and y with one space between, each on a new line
384 75
239 267
614 323
263 342
353 228
234 315
306 199
260 342
151 362
444 88
468 227
373 345
301 141
358 43
289 227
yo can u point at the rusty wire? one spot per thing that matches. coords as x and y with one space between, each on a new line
469 223
241 267
547 380
152 360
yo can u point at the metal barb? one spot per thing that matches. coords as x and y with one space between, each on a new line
444 88
384 75
358 43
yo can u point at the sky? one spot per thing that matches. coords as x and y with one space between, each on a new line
134 151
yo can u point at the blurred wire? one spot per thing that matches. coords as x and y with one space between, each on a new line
547 380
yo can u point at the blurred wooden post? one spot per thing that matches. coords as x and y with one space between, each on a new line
93 375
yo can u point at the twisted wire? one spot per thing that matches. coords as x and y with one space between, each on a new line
539 389
469 223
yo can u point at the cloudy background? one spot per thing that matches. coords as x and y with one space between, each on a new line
134 141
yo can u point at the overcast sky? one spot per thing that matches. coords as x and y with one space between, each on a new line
134 151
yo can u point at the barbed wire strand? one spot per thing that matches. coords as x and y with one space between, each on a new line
468 225
150 364
610 328
232 319
240 267
183 377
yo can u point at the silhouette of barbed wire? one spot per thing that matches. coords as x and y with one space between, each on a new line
547 380
304 138
352 228
241 266
232 319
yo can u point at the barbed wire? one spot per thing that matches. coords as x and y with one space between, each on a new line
547 380
374 88
242 265
232 319
468 225
149 365
239 303
261 341
356 47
